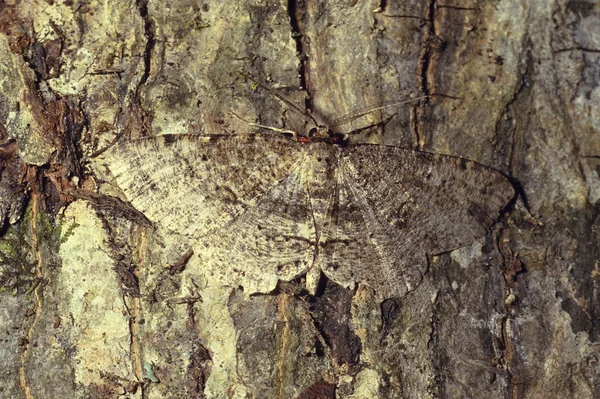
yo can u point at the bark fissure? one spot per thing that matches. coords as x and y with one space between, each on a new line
577 48
425 61
149 33
510 267
296 15
436 353
282 315
508 110
451 7
427 53
25 386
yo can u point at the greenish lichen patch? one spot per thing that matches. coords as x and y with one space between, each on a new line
17 257
51 233
17 267
149 372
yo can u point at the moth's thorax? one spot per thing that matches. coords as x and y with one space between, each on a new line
322 181
332 139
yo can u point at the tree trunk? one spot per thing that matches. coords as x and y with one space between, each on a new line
99 302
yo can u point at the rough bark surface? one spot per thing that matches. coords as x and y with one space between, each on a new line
97 302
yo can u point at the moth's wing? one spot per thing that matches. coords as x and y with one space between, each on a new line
197 184
273 240
399 205
437 202
356 247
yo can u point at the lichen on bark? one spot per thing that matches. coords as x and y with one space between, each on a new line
93 305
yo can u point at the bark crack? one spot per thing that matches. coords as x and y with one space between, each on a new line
577 48
296 15
451 7
138 121
425 61
282 314
427 53
149 32
437 383
512 152
511 266
36 293
134 312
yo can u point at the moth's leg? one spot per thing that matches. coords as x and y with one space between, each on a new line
382 123
108 146
293 106
275 129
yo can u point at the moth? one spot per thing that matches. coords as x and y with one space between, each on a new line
264 206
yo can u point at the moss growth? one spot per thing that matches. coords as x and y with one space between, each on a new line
7 247
50 232
17 260
17 268
68 231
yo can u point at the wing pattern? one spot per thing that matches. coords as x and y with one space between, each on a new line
396 206
198 184
261 208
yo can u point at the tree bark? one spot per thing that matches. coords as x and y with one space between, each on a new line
95 301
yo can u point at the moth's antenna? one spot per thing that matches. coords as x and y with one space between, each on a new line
285 100
357 114
275 129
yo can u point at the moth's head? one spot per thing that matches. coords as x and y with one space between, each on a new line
320 132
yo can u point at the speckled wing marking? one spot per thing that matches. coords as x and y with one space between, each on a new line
273 240
357 247
397 205
198 184
262 208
